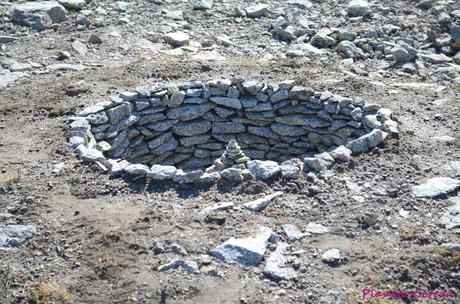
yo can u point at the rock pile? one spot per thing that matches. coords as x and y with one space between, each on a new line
158 130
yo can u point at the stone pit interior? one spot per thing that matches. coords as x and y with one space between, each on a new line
186 128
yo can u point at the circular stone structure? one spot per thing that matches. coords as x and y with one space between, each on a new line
187 132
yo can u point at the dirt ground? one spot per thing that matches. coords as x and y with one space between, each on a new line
97 235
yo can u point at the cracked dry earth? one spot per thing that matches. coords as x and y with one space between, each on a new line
101 239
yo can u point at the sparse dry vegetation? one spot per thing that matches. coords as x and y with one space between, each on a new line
48 293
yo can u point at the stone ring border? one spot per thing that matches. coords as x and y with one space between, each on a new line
375 120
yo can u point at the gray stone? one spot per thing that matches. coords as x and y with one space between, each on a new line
436 186
260 204
293 233
275 266
320 162
300 93
228 127
279 95
341 153
169 145
187 177
38 15
203 4
137 169
129 96
118 113
264 169
158 141
188 266
322 39
286 130
232 174
284 29
367 141
192 128
159 172
233 103
176 99
356 8
291 168
188 112
194 140
403 52
14 236
263 131
348 49
209 177
177 38
244 252
162 126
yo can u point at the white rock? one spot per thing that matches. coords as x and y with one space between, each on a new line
451 218
367 141
137 169
275 266
177 38
320 162
314 228
246 251
264 169
357 8
203 4
436 186
262 203
341 153
218 207
232 174
293 233
444 139
331 256
291 168
159 172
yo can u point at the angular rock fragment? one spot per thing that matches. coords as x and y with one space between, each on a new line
260 204
244 252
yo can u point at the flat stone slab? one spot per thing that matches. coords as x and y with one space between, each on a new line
262 203
275 267
246 251
218 207
436 186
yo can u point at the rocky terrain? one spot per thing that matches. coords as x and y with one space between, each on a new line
354 232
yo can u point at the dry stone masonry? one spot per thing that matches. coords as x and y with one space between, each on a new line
226 129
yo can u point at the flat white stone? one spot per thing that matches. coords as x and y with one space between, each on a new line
262 203
436 186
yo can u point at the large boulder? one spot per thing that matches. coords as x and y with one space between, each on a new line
38 15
